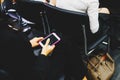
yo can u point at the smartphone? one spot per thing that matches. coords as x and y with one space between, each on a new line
54 39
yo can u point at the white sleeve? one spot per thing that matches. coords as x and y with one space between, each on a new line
93 16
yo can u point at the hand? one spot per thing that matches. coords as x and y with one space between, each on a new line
52 2
104 10
1 1
47 49
35 41
45 1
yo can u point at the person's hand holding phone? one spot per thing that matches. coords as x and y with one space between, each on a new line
35 41
47 49
54 39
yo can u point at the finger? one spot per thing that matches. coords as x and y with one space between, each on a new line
40 38
47 42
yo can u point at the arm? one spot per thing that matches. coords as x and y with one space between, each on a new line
93 16
42 62
52 2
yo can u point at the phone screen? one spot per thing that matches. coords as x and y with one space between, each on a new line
54 38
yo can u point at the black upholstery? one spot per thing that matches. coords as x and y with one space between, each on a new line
30 9
69 23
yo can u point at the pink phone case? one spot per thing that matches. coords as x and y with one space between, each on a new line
54 38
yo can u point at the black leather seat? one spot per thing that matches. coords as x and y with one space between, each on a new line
76 25
30 9
69 23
